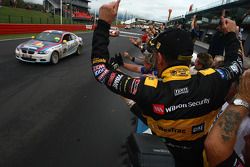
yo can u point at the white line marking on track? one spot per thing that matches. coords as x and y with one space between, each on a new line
128 36
13 39
131 33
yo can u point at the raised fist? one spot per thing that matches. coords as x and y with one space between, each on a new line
108 12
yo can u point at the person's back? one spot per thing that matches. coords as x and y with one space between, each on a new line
185 109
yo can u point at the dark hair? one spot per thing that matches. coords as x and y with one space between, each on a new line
205 59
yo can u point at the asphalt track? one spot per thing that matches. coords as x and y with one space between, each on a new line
58 115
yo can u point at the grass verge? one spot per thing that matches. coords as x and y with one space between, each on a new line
16 36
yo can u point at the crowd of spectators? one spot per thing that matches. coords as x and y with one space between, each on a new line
214 58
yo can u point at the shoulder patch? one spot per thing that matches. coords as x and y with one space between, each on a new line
208 71
151 81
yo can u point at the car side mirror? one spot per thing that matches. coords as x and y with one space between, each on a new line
64 41
33 37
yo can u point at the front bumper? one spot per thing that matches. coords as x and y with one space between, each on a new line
33 58
114 34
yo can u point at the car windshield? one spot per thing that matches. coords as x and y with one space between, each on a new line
114 28
49 36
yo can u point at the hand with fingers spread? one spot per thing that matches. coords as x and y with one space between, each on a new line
119 60
116 61
114 65
126 55
109 11
228 25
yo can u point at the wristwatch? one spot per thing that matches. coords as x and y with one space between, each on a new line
240 102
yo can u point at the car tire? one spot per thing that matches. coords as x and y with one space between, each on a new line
79 51
54 58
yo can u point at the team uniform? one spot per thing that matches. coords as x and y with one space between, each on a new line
178 106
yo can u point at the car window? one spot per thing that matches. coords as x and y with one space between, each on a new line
114 28
67 37
49 36
73 37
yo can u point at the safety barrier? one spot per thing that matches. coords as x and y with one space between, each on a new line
37 28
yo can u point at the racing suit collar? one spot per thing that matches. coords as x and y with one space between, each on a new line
176 73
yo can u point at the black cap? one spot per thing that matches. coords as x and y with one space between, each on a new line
175 44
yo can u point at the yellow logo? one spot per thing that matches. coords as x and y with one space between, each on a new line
151 81
158 45
98 60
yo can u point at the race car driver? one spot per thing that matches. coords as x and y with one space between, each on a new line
178 107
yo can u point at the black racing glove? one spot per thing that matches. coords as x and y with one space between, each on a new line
114 65
118 59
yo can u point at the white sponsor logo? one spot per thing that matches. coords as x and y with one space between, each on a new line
181 91
199 103
173 108
198 128
103 76
117 80
89 27
234 68
134 86
98 69
186 105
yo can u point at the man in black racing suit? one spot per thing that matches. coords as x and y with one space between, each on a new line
177 106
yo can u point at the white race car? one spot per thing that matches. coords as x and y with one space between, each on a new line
114 31
49 46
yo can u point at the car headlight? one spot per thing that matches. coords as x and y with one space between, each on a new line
43 52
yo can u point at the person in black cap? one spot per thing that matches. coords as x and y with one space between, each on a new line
177 107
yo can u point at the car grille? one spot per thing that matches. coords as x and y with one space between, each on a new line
29 51
28 59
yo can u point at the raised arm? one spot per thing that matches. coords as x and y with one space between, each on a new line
132 58
132 67
233 65
114 80
193 23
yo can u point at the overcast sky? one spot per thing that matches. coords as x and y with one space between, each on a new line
155 9
151 9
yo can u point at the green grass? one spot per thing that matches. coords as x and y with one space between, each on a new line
17 15
15 36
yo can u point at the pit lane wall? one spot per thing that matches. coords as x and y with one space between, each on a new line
37 28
